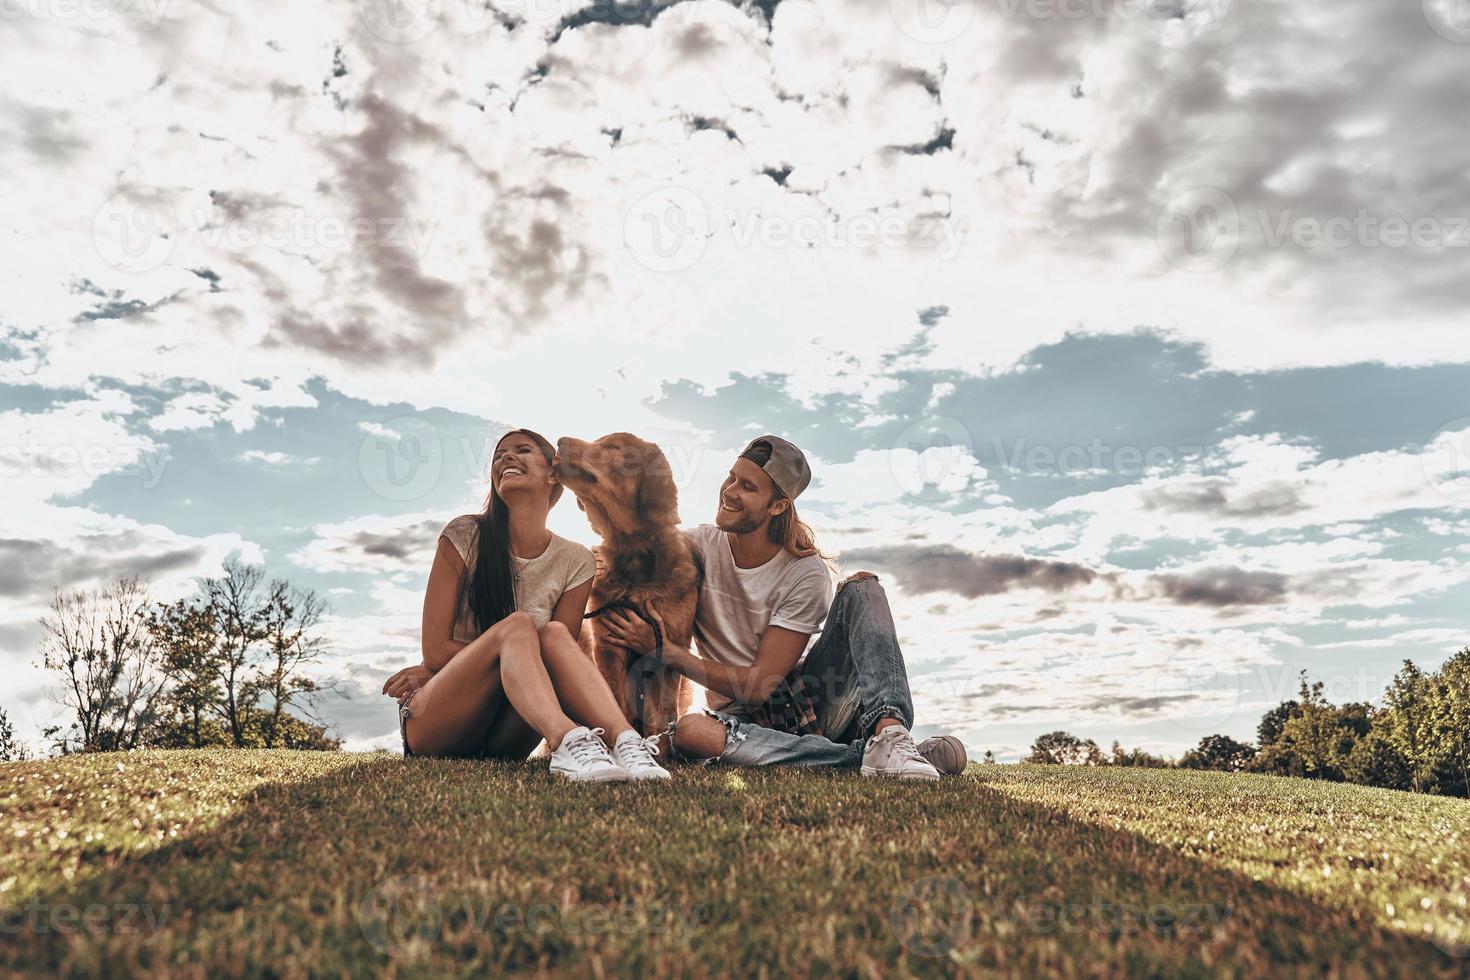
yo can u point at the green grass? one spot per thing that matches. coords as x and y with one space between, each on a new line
248 863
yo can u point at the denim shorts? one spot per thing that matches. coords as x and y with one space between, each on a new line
403 713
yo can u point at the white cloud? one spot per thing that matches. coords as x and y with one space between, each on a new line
1260 484
277 458
198 410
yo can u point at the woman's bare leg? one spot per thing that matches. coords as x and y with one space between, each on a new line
503 691
579 685
487 696
509 736
451 714
529 689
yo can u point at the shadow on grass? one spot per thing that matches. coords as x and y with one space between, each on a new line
427 867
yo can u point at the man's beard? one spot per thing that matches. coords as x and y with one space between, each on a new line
745 524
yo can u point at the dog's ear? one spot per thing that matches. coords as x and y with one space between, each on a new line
657 499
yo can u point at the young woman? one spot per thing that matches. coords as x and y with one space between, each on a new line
495 691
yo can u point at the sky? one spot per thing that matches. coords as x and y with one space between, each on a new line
1127 340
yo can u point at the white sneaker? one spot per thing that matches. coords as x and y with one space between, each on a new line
892 753
636 755
582 757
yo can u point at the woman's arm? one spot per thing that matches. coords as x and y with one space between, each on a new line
441 602
571 606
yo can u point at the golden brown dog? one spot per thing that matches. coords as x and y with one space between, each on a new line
626 487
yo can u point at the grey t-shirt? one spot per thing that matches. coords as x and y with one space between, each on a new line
737 604
540 582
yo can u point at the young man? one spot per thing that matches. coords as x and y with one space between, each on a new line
766 590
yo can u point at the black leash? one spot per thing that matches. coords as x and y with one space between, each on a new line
645 664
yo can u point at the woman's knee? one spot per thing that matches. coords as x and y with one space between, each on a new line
516 631
519 623
554 632
700 737
508 639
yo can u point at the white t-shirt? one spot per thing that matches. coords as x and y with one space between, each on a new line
737 604
540 582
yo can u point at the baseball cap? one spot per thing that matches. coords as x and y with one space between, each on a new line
787 466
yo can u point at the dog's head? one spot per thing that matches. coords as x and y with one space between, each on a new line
624 483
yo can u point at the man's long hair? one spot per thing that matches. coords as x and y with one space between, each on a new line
490 591
786 529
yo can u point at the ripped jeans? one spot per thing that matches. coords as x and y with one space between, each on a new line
859 677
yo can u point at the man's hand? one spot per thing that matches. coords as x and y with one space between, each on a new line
407 680
629 631
857 577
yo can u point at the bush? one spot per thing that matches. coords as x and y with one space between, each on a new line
1220 753
1065 749
1136 757
1376 761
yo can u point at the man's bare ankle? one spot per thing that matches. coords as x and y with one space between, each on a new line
883 723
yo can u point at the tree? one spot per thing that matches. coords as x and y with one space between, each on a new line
99 645
1316 741
1274 720
12 749
1405 725
1376 761
1220 753
1429 724
187 633
1064 749
291 618
241 613
228 666
1449 761
239 652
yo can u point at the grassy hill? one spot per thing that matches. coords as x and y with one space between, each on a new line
224 863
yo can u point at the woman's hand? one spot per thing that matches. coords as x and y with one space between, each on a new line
407 680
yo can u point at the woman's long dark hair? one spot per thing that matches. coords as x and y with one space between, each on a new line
491 589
